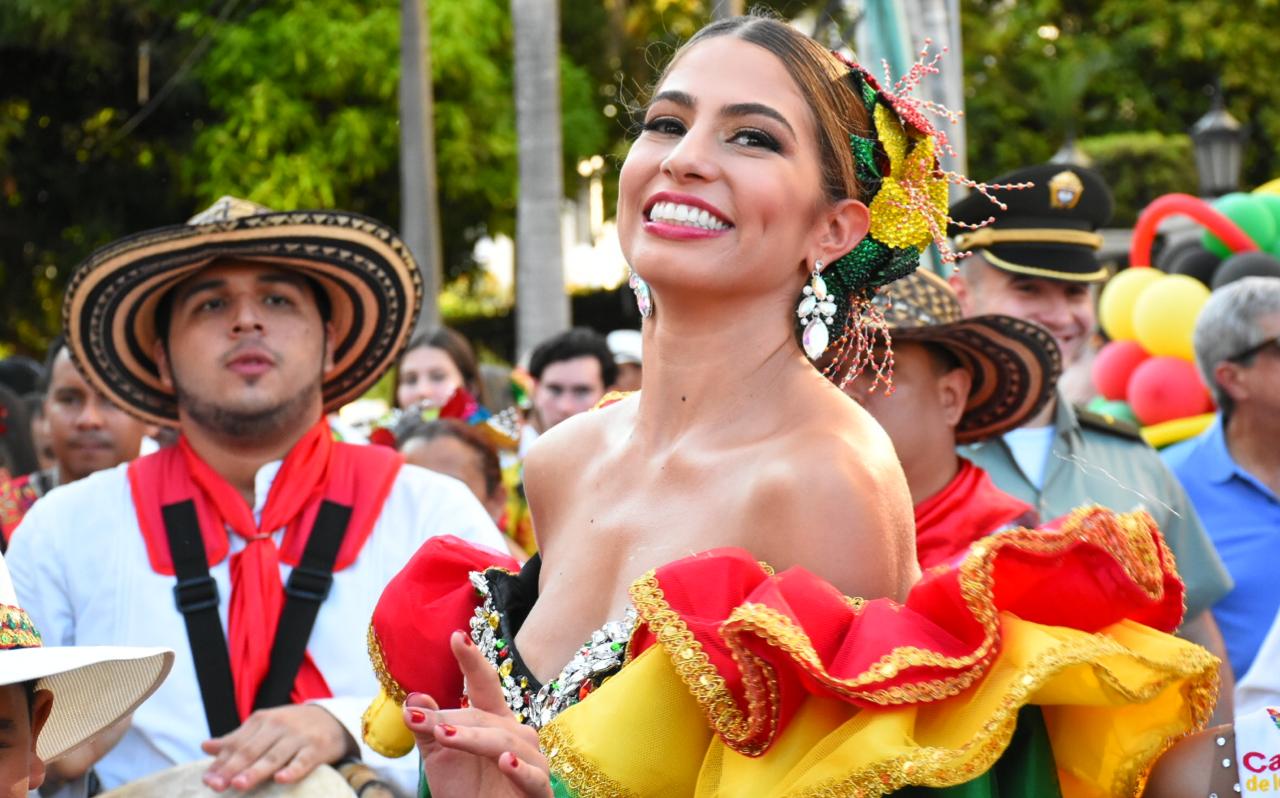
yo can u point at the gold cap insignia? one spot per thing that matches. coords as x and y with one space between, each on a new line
1065 190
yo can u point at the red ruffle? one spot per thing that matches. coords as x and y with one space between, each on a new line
750 644
771 638
429 600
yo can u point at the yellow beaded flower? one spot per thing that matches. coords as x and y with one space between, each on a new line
910 208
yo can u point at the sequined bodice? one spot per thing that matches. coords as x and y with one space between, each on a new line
507 599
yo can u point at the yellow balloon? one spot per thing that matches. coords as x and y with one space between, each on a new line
1164 315
1115 306
1270 187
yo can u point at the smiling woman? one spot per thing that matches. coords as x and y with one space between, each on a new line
768 166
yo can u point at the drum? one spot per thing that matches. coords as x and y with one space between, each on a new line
184 781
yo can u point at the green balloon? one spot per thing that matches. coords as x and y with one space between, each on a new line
1252 215
1272 203
1117 409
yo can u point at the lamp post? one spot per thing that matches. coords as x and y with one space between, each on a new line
1218 138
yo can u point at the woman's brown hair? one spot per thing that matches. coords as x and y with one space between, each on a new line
822 79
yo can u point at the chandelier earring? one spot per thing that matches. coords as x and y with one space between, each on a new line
817 310
644 300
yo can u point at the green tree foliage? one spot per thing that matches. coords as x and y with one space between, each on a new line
290 104
68 181
306 94
1033 68
1140 167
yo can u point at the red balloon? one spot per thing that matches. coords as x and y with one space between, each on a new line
1165 388
1114 365
1144 232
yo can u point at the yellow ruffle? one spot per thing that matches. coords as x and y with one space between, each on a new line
1112 702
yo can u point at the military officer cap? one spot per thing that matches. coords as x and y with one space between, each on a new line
1048 230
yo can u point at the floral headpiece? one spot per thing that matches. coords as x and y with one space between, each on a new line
905 190
501 430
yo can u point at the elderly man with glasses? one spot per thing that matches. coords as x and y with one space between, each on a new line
1232 471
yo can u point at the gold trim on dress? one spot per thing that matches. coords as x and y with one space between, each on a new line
747 733
937 767
388 682
584 778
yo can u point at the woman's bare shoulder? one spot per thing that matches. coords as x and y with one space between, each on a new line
836 486
554 466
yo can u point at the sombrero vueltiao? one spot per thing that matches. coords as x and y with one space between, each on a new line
370 277
1015 363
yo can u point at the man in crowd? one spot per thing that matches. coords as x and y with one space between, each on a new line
1232 470
1038 262
242 328
87 433
571 372
955 381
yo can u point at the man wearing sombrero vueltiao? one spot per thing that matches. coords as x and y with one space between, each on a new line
257 547
955 380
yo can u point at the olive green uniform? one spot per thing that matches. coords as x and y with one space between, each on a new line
1098 460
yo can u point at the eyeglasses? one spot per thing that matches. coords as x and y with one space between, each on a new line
1273 343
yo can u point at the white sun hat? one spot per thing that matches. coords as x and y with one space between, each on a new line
627 346
92 686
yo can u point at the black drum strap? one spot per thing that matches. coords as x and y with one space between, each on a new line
196 594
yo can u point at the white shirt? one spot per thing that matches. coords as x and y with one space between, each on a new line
528 435
1030 447
80 567
1260 686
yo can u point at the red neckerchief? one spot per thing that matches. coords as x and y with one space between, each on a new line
968 508
315 469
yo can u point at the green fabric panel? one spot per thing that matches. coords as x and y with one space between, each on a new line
559 788
1026 768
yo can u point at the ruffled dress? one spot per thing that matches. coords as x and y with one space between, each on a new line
1037 663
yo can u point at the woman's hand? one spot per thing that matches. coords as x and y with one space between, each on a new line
479 750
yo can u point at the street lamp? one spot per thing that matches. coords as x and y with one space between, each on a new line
1218 138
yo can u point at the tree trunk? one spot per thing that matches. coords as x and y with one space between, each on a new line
542 307
938 21
419 204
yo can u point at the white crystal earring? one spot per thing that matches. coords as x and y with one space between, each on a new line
644 300
817 312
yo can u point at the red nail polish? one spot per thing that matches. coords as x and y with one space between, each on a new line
417 715
515 763
466 637
448 730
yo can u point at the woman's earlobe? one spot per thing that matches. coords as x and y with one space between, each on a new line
847 224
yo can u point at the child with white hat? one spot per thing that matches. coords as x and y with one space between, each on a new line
53 699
